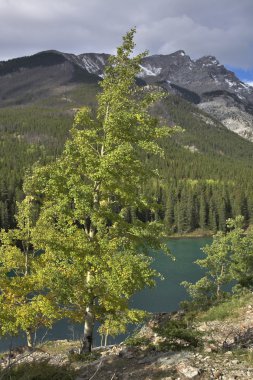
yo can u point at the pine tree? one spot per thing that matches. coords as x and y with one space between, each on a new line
169 218
202 212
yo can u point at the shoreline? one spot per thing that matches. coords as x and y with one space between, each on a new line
191 235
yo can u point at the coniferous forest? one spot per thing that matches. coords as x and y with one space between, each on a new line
206 177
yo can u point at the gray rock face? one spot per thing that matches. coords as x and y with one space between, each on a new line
232 114
204 81
93 63
208 83
201 76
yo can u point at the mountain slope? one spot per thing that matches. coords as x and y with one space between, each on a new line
204 82
25 80
207 174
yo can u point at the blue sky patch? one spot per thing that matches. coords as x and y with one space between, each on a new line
242 74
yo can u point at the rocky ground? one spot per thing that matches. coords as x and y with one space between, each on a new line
226 353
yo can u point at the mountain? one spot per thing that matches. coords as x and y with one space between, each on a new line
208 169
204 82
207 83
27 79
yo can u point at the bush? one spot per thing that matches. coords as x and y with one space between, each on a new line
178 335
137 341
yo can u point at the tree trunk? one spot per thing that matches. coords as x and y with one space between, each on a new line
218 291
106 337
90 230
29 338
88 332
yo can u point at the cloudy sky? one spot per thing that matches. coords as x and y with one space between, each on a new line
223 28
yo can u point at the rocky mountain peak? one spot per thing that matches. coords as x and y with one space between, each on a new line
179 52
207 60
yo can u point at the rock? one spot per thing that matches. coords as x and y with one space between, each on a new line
144 361
126 353
211 348
203 327
172 359
218 374
188 371
74 351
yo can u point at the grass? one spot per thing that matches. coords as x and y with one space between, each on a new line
230 309
244 355
59 346
38 371
86 358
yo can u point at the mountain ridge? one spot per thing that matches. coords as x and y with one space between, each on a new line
204 81
94 63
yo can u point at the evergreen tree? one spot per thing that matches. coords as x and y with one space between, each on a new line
202 212
212 217
169 218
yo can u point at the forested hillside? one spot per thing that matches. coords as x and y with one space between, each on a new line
206 178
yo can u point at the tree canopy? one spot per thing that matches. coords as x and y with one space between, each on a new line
228 262
91 200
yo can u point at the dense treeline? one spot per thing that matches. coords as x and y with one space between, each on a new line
40 59
205 204
207 175
27 135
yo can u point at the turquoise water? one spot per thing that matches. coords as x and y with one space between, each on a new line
168 293
166 296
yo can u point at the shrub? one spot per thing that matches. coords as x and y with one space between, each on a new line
178 335
137 341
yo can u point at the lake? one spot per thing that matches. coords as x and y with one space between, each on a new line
168 293
165 297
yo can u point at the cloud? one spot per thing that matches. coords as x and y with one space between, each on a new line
222 27
249 83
